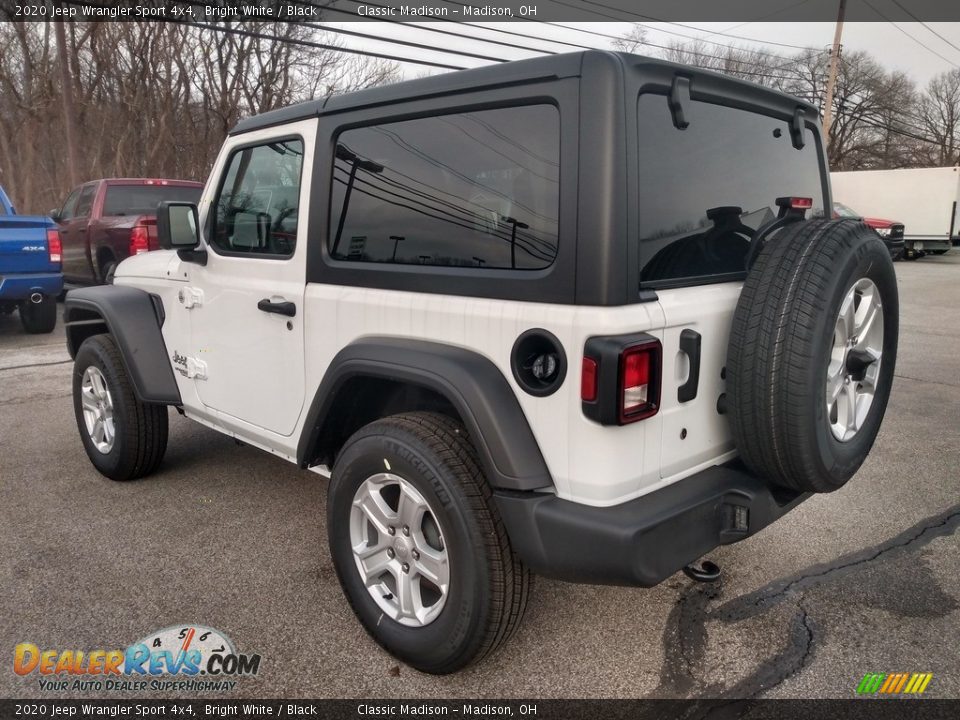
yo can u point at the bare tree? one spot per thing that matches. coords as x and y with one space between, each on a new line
939 114
632 42
150 99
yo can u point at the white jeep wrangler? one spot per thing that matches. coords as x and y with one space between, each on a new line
574 316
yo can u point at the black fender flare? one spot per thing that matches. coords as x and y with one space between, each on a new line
474 386
133 317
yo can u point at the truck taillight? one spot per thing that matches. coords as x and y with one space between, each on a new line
54 246
139 240
795 203
639 385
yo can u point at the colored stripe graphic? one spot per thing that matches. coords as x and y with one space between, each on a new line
870 683
901 683
894 683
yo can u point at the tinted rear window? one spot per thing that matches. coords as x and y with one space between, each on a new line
706 189
143 199
474 189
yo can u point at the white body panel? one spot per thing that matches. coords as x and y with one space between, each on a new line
257 377
589 463
925 200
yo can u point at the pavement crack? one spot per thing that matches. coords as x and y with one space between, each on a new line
923 532
787 664
807 624
923 380
686 671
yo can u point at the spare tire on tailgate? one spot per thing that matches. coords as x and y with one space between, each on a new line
812 354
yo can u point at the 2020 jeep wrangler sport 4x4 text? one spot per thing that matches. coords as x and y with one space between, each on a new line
580 316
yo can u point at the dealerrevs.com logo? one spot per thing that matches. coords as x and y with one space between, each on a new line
177 658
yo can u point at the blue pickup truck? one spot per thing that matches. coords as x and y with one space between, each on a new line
30 267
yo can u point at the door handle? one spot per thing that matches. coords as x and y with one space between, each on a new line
690 344
283 307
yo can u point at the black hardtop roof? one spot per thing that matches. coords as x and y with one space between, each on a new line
547 67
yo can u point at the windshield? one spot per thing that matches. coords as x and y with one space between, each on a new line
143 199
706 189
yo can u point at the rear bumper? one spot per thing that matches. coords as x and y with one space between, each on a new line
644 541
22 286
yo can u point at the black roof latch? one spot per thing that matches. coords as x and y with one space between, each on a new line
796 129
679 102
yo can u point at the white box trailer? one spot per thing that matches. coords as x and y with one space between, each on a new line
925 200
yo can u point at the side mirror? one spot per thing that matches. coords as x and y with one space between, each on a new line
55 215
178 225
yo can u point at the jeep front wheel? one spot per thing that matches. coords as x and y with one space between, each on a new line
124 438
418 545
812 353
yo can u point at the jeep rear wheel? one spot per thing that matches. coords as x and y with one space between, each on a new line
812 354
418 544
124 438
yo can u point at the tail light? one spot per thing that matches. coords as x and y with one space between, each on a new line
588 380
139 240
795 203
620 378
639 367
54 246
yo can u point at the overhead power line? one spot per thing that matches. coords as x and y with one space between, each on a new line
759 19
406 43
907 11
650 18
295 41
665 47
319 46
597 33
918 42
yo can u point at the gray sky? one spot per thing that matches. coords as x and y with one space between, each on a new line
890 45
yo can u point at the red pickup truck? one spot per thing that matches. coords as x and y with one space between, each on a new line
105 221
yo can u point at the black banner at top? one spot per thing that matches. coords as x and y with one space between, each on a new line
634 11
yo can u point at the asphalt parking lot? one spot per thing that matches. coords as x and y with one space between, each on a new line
862 580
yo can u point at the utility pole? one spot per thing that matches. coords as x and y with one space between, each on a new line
397 239
68 109
832 77
513 236
356 163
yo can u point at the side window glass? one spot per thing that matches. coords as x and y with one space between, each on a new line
474 189
85 203
70 205
257 209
